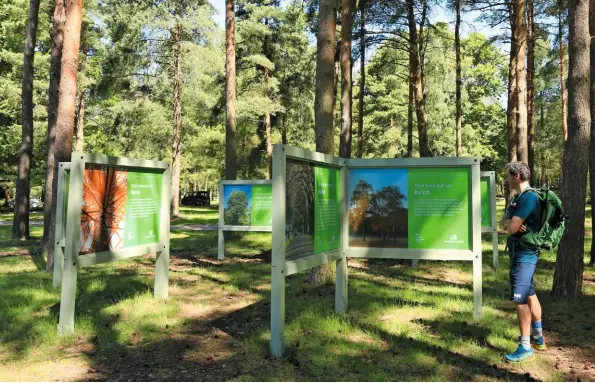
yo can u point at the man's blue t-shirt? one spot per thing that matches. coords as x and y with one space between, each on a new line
528 208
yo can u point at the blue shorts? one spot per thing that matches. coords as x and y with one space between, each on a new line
521 281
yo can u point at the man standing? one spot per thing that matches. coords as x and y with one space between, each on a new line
523 215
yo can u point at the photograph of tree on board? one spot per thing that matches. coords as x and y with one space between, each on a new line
299 207
378 208
104 209
237 204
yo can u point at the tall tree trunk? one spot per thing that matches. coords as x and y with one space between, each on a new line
410 107
562 76
592 152
531 89
346 85
231 166
177 120
58 151
362 80
459 111
324 100
20 227
568 276
511 110
542 128
520 36
284 130
416 46
80 122
511 114
267 126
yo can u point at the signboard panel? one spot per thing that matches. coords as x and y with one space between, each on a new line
410 208
313 210
486 202
248 205
121 208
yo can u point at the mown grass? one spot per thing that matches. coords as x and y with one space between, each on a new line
197 215
403 323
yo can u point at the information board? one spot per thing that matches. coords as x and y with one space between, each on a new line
417 208
121 208
313 209
486 202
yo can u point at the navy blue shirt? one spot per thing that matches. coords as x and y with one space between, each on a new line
527 207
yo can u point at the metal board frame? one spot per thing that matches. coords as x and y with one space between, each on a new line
60 228
68 232
474 255
280 267
222 227
493 228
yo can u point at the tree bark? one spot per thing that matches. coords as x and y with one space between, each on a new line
592 152
20 227
80 122
531 89
410 108
324 101
459 111
511 110
58 151
520 36
267 126
177 120
416 47
230 92
568 276
362 81
346 85
511 115
562 76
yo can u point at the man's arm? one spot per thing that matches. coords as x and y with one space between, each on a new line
513 225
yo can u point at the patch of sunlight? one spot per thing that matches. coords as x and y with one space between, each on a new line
71 369
143 313
178 235
24 265
96 285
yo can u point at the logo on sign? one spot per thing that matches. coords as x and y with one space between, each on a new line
453 238
419 238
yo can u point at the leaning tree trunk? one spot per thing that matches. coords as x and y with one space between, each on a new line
177 120
592 152
562 75
531 89
20 227
459 111
346 85
231 166
57 150
324 101
362 81
568 276
520 37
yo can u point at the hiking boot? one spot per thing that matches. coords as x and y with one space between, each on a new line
538 343
519 355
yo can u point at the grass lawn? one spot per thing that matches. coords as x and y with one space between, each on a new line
403 323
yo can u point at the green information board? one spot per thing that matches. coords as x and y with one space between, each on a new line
143 199
327 209
261 213
439 208
486 202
